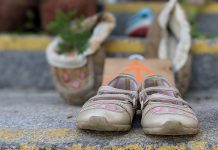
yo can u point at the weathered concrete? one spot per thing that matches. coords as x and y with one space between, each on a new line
31 70
204 71
24 70
41 119
207 24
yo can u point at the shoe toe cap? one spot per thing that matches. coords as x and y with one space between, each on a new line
157 120
103 116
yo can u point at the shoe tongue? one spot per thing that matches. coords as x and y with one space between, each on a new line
167 93
124 82
158 82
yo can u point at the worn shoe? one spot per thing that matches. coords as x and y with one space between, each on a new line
113 108
164 112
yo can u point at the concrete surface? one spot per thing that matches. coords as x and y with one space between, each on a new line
24 70
206 24
204 71
31 70
32 119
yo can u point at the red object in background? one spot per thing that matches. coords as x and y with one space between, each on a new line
49 7
139 32
13 13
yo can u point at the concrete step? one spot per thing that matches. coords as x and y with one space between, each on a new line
123 11
23 63
34 120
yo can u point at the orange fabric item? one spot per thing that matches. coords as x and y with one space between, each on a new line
137 68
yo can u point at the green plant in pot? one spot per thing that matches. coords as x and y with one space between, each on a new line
74 39
76 55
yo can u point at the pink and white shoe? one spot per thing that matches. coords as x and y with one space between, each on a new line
164 112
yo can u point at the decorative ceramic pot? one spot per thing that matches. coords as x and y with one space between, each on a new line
78 77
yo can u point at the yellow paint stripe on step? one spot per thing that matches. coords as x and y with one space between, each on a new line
24 43
138 46
205 47
133 7
125 45
39 43
44 136
34 135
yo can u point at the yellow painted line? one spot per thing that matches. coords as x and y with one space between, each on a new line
123 45
139 46
25 42
215 147
211 8
180 147
9 135
127 147
133 7
205 47
127 45
48 135
200 145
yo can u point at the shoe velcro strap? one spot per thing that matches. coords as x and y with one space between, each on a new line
111 97
111 90
157 97
120 97
161 89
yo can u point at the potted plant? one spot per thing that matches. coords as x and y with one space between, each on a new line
76 56
48 8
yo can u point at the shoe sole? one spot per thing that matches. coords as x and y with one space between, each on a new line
171 128
99 123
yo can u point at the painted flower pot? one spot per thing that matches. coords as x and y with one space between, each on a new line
49 7
13 13
78 77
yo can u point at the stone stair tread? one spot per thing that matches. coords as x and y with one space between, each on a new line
41 119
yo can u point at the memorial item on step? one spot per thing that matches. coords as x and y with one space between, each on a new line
48 9
138 24
169 38
137 68
77 56
113 108
164 112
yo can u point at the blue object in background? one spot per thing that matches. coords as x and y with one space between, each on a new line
139 23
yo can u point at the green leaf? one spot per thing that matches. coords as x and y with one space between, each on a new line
72 39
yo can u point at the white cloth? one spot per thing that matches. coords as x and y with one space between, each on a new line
175 40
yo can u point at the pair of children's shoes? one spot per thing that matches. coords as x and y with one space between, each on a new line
164 112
